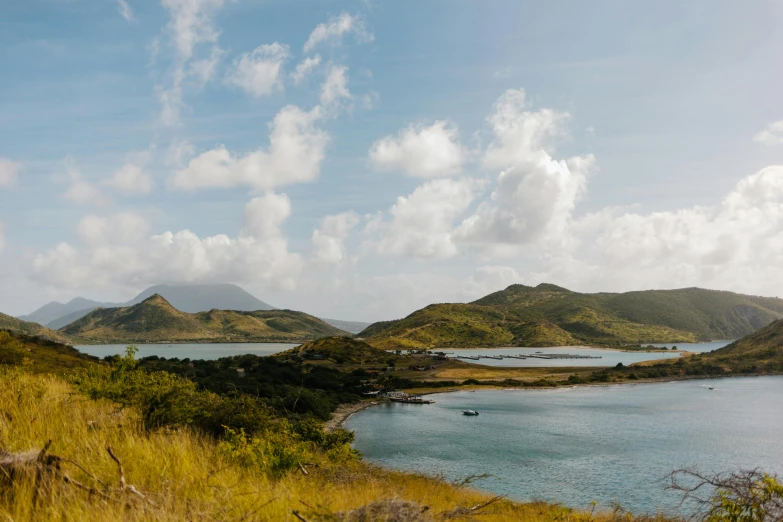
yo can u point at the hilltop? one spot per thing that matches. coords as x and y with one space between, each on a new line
549 315
156 320
13 324
341 350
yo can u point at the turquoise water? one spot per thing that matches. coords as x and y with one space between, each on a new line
189 351
582 444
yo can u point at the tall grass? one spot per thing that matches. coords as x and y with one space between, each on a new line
187 475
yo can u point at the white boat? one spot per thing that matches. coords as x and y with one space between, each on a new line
470 412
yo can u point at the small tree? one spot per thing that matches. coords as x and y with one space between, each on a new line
744 496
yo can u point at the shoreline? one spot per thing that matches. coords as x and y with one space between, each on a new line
345 411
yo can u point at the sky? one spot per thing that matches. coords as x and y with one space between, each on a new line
361 159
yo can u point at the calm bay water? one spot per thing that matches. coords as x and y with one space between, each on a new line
696 347
189 351
607 357
582 444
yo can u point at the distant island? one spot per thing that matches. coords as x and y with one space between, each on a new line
155 320
549 315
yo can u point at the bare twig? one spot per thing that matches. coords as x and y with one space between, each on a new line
298 516
470 479
303 470
42 454
123 485
459 512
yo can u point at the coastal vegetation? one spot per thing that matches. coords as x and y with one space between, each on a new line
156 320
548 315
125 442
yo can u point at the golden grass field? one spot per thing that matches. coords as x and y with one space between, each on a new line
184 476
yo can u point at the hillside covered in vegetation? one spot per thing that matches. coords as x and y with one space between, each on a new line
548 315
128 441
12 324
156 320
40 355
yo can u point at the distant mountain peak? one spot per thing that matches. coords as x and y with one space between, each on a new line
549 287
203 297
156 299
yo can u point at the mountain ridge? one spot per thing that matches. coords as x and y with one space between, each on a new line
156 320
191 298
549 315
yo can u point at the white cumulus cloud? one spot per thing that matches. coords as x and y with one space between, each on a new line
130 179
259 72
421 151
82 192
9 172
535 194
335 88
333 30
295 153
305 67
771 135
422 224
329 238
120 251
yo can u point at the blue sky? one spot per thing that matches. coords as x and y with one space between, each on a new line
435 151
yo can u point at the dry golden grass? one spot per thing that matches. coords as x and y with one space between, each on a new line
475 371
186 478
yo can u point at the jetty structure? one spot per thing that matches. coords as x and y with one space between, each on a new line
408 399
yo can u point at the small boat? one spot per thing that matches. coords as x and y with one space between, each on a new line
539 352
711 388
471 413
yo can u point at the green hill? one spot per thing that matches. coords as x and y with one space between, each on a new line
342 350
155 320
760 351
39 355
13 324
548 315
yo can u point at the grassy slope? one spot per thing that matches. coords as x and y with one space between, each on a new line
762 349
548 315
40 355
17 325
186 475
155 320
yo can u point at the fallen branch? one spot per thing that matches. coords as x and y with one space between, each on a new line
297 515
123 484
467 511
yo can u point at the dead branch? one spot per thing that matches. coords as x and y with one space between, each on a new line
298 516
123 484
470 479
460 512
303 470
